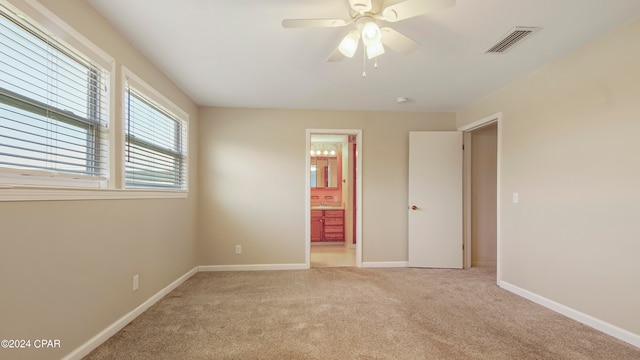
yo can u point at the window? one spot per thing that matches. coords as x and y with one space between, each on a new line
155 143
58 121
54 105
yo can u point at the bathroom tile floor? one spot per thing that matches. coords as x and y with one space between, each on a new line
332 256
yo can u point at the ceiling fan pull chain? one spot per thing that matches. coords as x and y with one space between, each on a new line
364 64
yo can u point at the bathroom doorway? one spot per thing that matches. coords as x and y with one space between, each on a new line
333 202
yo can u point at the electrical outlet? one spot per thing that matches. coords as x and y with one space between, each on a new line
238 249
136 282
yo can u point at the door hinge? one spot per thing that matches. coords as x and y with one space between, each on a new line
462 246
462 147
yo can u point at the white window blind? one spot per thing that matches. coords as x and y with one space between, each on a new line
155 145
53 106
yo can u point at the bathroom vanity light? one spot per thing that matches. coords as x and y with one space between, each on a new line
322 153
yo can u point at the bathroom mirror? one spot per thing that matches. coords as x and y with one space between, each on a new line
324 172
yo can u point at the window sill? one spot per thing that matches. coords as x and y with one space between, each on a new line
57 194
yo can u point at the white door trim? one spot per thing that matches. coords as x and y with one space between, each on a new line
495 118
307 237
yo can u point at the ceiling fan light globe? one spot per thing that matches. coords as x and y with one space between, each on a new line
375 50
371 33
349 45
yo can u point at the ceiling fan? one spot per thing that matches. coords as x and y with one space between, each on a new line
365 14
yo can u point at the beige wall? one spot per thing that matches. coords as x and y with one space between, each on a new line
570 148
252 171
66 267
484 146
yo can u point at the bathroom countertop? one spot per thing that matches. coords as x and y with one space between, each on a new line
325 207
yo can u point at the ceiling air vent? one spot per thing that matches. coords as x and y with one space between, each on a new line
512 38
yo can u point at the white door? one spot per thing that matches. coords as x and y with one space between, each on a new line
435 199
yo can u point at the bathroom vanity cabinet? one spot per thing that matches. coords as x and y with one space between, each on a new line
327 225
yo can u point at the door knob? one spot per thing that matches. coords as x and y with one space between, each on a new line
413 207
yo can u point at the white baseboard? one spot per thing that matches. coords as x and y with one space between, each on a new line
112 329
385 264
483 263
605 327
252 267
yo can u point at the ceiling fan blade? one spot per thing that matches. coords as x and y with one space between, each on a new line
411 8
360 6
397 42
336 55
313 23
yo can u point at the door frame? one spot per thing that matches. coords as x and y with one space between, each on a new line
467 129
358 219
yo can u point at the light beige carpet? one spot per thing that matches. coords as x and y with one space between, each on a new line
350 313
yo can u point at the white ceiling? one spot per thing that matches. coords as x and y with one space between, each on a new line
234 53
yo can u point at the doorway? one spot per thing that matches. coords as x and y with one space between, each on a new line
333 198
481 193
483 196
